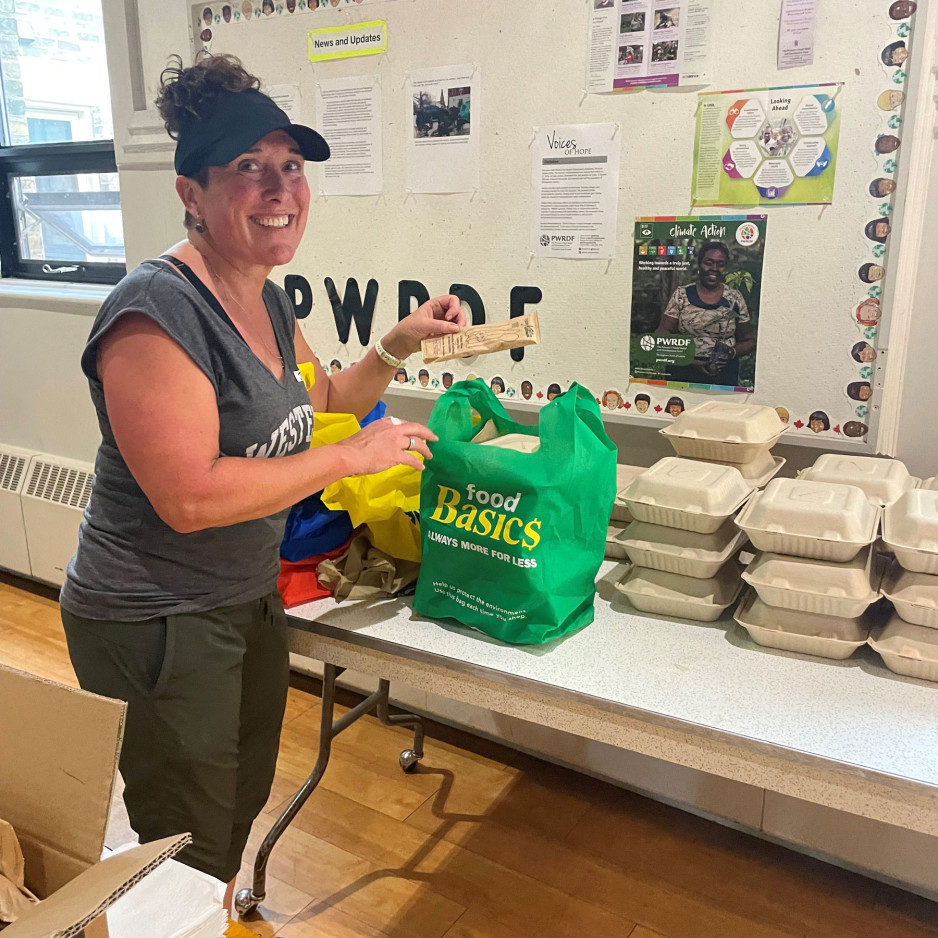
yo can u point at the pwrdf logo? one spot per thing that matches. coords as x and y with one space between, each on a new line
747 234
647 343
545 240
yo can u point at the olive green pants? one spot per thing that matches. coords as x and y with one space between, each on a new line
205 698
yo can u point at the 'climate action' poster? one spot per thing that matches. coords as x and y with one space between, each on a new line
696 289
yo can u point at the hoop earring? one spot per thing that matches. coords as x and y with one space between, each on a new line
199 226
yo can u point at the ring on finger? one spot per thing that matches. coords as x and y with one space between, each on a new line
411 444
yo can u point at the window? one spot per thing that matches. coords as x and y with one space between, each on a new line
60 213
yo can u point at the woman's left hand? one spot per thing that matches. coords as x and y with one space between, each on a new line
440 316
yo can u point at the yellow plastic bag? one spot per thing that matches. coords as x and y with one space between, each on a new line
387 502
330 428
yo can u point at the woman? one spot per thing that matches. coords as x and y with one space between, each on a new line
819 422
878 230
859 390
881 187
675 407
863 353
869 311
612 400
870 273
717 318
170 602
895 53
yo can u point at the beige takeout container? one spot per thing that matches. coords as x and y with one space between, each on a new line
684 552
519 442
615 550
805 633
670 594
820 520
883 480
624 475
720 430
760 471
915 595
910 530
820 587
908 649
930 484
683 493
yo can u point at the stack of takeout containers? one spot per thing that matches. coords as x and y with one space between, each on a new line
883 480
740 435
909 642
620 517
682 543
812 580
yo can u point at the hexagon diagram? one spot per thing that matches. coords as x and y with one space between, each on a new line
773 179
745 118
810 157
741 159
774 146
813 116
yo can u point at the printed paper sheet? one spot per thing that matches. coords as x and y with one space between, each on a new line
575 181
443 129
648 44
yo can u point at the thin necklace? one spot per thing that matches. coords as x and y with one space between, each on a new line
233 299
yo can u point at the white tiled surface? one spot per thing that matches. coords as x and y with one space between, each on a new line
854 712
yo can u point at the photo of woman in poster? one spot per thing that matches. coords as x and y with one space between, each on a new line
717 318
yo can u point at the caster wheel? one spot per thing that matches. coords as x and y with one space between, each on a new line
245 903
408 760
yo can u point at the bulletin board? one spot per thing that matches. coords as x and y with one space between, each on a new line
824 299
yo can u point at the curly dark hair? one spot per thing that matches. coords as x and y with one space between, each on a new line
194 89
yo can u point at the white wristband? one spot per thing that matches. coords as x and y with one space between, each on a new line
387 357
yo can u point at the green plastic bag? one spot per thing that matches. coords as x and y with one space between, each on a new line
512 541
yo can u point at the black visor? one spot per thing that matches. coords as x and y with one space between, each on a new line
236 123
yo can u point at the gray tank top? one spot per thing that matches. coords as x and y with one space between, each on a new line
130 565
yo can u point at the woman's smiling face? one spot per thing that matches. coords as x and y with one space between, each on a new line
712 269
255 208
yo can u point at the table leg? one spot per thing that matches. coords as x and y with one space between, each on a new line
409 758
247 899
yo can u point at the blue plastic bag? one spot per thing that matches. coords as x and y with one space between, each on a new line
314 529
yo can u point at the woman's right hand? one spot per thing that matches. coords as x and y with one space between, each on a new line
386 443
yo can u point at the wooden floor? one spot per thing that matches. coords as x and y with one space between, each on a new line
485 843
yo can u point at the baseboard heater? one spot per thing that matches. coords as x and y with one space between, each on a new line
42 499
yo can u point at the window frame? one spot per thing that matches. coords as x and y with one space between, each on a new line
49 159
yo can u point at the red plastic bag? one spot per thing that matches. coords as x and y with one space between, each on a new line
298 582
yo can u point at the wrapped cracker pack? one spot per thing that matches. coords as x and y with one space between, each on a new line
480 340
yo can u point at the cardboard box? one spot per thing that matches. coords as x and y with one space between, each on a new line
58 763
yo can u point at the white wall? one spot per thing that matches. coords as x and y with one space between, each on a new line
44 402
918 431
